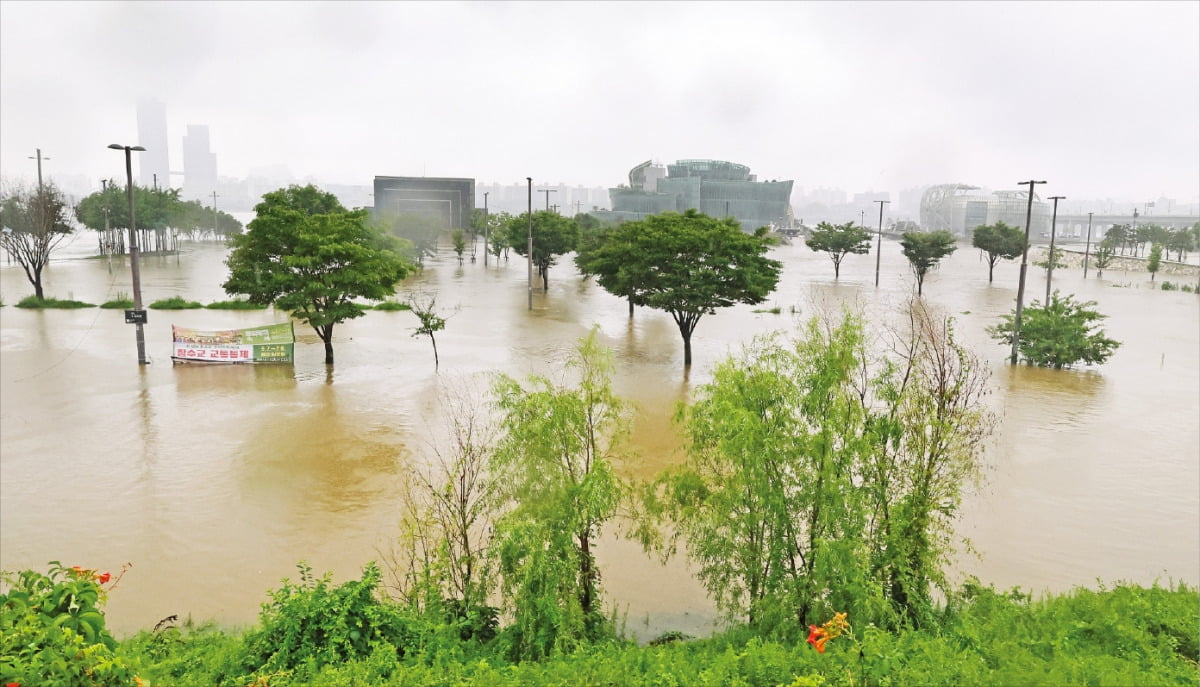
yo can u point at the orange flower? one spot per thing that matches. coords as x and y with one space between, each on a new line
103 578
817 637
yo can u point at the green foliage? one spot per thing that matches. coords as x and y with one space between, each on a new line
688 265
838 240
52 630
420 231
392 306
312 623
1104 254
313 265
924 250
1154 260
999 241
1058 335
460 243
121 302
32 226
34 302
498 237
424 306
175 303
235 304
556 466
157 210
1057 254
553 235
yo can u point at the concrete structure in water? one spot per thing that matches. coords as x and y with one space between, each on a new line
714 187
449 200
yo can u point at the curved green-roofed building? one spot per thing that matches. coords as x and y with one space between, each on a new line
715 187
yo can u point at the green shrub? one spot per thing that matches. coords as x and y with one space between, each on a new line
38 303
121 302
392 306
52 630
1168 286
235 304
175 303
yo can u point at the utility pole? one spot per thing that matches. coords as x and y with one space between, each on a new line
1133 233
155 181
1088 247
138 314
529 247
486 245
577 204
39 159
547 191
215 233
1024 266
1050 260
41 202
879 243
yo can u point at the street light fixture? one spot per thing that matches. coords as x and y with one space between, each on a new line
1024 266
137 316
486 244
529 248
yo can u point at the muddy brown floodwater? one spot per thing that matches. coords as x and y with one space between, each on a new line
215 481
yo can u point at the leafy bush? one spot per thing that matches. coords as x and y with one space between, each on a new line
121 302
235 304
1059 334
392 306
34 302
313 623
175 303
52 630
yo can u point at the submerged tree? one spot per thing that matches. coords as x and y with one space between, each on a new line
32 225
1154 261
924 250
553 235
556 463
1103 256
838 240
999 241
306 254
1059 334
424 306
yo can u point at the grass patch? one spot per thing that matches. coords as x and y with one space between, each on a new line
235 304
121 302
773 311
36 303
392 306
175 303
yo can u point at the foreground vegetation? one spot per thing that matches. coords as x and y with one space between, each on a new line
313 632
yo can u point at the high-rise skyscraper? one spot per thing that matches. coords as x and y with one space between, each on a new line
152 135
199 163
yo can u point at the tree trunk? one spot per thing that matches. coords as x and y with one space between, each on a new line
991 268
326 334
435 355
545 279
687 349
631 307
920 283
837 269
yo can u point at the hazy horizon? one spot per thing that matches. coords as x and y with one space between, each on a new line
1101 99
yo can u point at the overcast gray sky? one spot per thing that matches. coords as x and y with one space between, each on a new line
1102 99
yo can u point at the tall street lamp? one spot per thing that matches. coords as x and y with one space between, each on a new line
529 248
1050 260
1024 265
486 244
1088 247
879 243
137 316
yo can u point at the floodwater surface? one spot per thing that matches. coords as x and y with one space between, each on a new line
214 481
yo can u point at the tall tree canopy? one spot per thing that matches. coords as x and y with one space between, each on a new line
553 235
305 253
924 250
839 239
688 265
32 224
999 241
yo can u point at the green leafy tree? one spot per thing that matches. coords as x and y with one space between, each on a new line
460 243
424 306
1119 235
556 464
1052 254
553 235
1060 334
498 239
686 264
1182 241
924 250
1105 252
306 254
420 231
1154 261
838 240
33 223
999 241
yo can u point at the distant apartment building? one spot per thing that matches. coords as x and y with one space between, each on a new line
199 163
714 187
154 164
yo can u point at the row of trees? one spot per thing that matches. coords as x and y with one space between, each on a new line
1127 240
821 476
162 216
924 250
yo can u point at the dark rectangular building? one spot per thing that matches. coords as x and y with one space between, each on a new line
449 199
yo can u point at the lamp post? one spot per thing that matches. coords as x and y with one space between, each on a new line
879 243
486 243
1024 265
529 247
1088 247
1050 260
138 314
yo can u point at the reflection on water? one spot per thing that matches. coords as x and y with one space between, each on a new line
215 480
